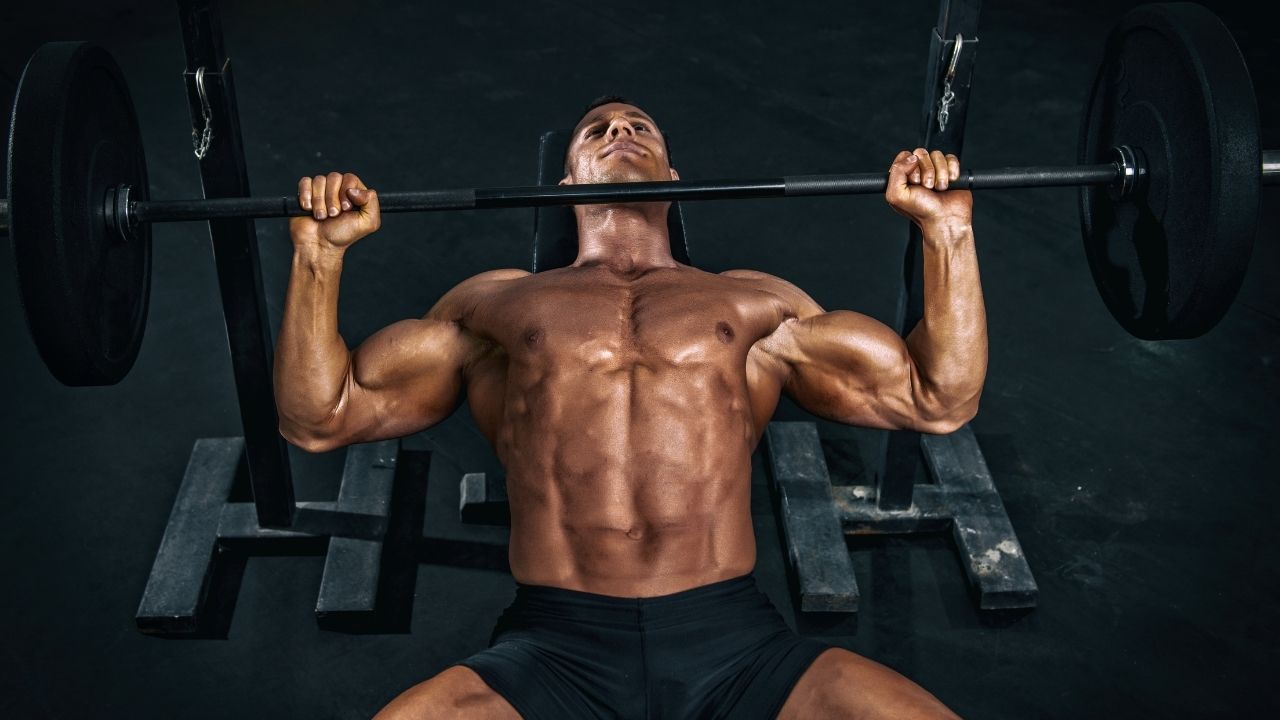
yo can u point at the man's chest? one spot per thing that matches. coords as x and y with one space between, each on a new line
607 324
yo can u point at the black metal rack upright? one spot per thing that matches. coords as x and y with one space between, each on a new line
963 497
185 593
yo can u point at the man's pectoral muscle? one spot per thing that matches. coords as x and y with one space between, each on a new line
406 377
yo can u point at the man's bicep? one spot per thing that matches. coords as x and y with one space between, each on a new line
410 375
403 378
853 369
843 365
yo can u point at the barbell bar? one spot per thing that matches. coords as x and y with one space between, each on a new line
155 211
1123 177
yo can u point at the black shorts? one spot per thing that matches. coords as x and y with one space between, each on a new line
716 651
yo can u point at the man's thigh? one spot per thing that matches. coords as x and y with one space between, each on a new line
842 684
456 692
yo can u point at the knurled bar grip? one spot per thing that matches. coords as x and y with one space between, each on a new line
1048 176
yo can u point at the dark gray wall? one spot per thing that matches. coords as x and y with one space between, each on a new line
1140 476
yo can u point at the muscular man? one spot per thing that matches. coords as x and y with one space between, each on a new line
624 395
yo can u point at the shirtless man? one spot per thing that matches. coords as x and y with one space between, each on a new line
624 395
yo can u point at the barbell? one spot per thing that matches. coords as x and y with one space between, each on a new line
1170 174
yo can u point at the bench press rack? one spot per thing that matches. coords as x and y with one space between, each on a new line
183 588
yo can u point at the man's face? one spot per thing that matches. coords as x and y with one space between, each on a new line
617 143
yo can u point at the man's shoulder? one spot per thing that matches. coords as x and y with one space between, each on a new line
463 298
748 274
488 281
755 277
796 301
492 276
762 280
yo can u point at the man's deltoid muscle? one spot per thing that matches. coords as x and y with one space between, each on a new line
624 395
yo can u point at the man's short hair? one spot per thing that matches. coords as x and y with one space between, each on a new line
605 100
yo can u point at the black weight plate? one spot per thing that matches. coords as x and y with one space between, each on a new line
84 291
1169 262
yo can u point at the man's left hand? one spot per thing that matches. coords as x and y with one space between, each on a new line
917 189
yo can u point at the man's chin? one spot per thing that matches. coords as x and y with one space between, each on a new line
623 174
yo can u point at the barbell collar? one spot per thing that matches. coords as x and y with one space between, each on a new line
1132 163
1271 167
116 211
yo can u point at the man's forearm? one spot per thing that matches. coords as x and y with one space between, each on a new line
949 345
311 357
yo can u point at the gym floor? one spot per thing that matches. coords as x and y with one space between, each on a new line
1135 473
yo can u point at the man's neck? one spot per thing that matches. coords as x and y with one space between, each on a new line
624 238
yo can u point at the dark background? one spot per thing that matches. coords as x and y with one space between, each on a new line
1140 476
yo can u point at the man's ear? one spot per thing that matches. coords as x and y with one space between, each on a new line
674 175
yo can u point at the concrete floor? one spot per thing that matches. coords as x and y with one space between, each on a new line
1135 473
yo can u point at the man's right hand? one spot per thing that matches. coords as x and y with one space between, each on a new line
342 209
